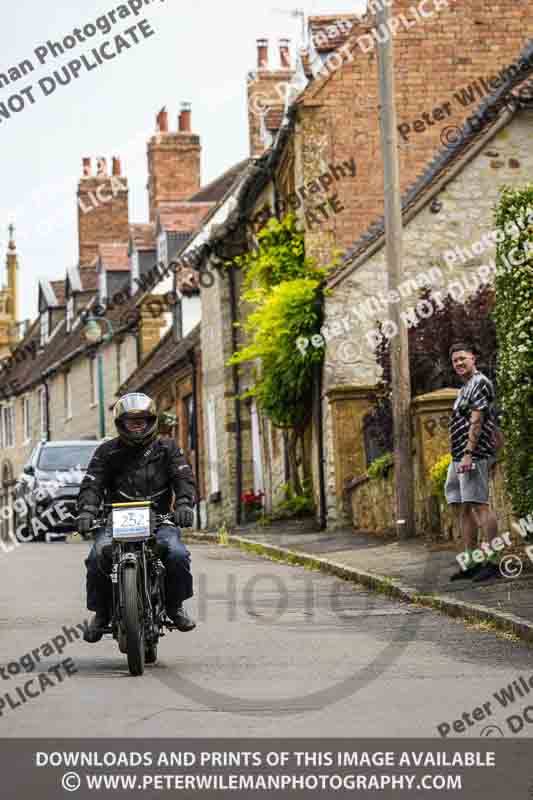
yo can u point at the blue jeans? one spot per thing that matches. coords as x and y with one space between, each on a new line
172 552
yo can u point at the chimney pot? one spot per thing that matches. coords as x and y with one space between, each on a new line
184 121
262 53
284 53
116 167
87 169
162 121
101 167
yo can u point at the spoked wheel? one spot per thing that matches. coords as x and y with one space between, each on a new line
133 621
150 656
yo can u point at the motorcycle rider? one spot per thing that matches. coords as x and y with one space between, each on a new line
137 465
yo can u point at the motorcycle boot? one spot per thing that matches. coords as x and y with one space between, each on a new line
96 628
180 619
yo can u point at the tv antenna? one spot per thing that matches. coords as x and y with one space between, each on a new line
295 13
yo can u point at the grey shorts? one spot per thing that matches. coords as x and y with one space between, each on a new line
468 487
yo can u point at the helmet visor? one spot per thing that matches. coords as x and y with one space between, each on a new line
135 404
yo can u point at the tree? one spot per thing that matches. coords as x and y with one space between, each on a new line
429 346
514 326
284 288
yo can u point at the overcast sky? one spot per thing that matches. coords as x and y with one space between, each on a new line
200 52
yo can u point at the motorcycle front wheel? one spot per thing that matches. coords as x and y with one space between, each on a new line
133 621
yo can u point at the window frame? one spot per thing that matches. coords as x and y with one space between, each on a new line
69 314
8 426
43 413
45 327
93 381
67 396
26 419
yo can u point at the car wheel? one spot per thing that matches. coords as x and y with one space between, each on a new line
36 537
23 533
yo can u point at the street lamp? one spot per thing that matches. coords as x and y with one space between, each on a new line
94 335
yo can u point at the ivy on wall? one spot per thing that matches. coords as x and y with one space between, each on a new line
514 328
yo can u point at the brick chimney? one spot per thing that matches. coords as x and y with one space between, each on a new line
267 88
102 208
173 161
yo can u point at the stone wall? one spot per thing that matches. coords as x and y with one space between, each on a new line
372 501
84 421
448 241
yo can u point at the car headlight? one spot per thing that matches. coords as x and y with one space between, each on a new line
48 488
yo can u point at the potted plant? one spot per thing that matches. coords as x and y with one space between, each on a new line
252 504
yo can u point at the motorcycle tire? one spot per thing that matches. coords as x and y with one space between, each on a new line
150 654
133 621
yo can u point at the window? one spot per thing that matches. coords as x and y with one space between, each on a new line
212 442
121 364
45 327
70 313
93 381
43 413
64 457
188 406
162 252
256 449
102 285
67 395
8 426
26 419
135 273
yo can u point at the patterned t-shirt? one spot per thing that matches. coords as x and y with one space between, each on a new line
476 395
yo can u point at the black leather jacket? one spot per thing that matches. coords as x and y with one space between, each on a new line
121 474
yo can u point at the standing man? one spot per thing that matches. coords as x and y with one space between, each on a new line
473 435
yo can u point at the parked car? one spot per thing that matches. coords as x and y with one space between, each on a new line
52 475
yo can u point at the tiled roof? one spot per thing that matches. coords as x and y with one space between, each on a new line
330 31
62 347
447 157
182 217
217 189
163 358
114 257
143 236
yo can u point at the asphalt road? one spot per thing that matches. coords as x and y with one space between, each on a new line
278 651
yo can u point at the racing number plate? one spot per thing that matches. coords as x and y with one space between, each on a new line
131 522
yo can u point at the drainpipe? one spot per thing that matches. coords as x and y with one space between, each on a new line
320 434
195 433
47 410
236 392
320 427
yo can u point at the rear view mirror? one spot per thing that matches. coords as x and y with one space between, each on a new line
29 470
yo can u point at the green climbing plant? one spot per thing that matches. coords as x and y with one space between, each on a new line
284 290
513 314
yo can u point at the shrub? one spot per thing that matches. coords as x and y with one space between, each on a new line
514 326
438 474
380 467
296 505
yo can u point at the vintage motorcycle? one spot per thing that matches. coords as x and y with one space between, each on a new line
138 616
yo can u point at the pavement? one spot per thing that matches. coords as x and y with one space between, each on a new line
279 651
408 570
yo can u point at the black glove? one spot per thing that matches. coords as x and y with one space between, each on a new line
184 516
85 522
